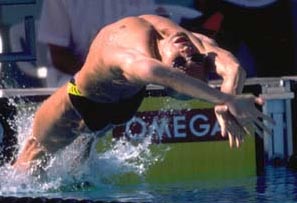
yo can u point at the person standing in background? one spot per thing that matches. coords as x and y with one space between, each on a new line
69 26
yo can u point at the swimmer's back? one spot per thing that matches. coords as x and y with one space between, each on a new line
127 32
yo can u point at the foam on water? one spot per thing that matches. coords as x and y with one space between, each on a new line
68 170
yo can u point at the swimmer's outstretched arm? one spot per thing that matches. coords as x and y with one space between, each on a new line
233 75
241 107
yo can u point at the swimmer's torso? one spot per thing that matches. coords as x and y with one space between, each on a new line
130 37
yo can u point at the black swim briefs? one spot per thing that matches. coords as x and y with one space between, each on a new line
98 115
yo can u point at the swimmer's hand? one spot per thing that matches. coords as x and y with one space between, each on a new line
229 126
244 112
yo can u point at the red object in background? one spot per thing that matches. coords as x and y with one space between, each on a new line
213 23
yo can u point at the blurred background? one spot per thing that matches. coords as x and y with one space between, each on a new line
262 33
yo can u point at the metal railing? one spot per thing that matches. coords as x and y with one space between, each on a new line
29 53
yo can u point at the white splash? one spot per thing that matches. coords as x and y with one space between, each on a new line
68 170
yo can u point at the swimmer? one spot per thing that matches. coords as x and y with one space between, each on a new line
123 58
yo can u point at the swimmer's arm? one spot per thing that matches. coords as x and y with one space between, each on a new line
225 65
233 75
148 70
139 68
241 107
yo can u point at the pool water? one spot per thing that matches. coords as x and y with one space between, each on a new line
277 184
96 179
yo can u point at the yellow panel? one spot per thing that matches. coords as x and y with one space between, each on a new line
190 161
204 161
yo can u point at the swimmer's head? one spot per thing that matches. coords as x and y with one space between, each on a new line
178 51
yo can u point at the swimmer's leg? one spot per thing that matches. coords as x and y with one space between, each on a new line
55 126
